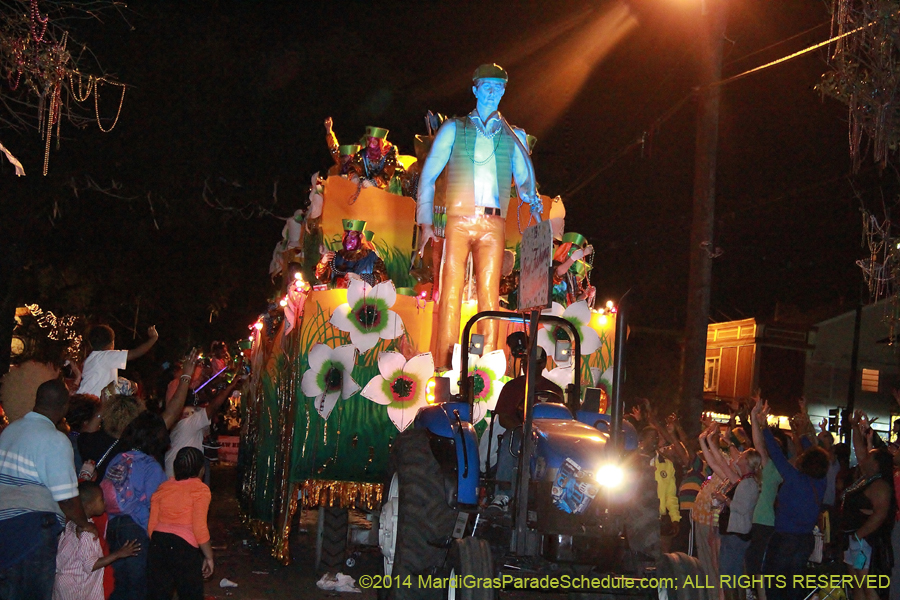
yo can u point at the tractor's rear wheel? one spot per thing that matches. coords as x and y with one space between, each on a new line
472 565
424 519
331 539
679 565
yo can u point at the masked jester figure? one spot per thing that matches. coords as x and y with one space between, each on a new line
354 261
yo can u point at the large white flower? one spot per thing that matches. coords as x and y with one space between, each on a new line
401 385
487 371
366 317
328 377
580 316
561 376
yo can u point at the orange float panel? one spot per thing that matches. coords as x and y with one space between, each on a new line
391 217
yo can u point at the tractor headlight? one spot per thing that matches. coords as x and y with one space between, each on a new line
610 476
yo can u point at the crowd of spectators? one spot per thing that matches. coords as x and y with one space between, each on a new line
104 495
767 502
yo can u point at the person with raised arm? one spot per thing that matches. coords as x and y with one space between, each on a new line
101 367
796 510
867 511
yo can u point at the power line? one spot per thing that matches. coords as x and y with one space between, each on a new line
797 54
646 134
775 44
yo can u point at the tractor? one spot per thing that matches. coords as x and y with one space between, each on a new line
575 524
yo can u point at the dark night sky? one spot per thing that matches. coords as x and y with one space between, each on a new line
235 93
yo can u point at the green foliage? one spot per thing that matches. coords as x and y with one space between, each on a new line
354 443
397 262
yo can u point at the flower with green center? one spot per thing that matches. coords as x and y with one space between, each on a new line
366 315
401 385
486 372
579 315
328 377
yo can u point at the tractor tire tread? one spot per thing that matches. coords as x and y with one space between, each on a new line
425 519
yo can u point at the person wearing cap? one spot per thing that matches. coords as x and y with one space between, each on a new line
340 153
353 261
482 155
377 163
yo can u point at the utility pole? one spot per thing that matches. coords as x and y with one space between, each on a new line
702 247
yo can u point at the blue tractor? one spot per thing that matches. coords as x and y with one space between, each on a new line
581 520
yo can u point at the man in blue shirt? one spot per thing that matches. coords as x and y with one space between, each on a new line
38 492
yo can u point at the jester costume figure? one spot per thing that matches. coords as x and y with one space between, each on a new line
377 163
481 155
355 260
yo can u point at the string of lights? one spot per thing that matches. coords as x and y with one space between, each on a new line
61 328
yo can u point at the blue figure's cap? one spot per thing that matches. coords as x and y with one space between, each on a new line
491 71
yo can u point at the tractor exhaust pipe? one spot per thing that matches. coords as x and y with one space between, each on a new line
615 433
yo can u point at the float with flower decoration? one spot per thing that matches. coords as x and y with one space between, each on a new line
339 373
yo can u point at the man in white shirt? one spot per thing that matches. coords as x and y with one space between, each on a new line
481 155
102 365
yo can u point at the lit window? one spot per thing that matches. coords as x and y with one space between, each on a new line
870 380
711 380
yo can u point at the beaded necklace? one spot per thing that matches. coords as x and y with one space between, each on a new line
471 153
861 483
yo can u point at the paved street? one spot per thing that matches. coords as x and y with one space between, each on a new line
257 574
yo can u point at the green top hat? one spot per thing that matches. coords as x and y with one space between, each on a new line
349 149
490 71
376 132
576 239
369 235
580 267
354 225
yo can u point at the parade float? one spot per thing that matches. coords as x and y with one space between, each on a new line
341 365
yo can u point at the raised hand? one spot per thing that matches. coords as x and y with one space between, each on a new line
864 424
189 362
765 411
636 412
757 407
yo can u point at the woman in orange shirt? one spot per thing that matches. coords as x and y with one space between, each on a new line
180 552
